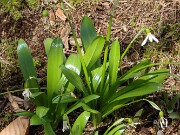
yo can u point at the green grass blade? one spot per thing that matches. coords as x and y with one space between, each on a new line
55 59
88 32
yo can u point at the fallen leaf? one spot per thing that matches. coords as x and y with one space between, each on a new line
65 35
13 102
20 126
51 18
60 14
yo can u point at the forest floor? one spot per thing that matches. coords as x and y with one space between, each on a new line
162 17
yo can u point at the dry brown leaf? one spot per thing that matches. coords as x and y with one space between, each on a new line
20 126
60 14
65 35
51 18
13 102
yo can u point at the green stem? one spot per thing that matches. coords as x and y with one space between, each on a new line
127 48
79 52
13 91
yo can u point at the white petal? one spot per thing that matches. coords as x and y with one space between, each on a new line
154 38
145 40
150 37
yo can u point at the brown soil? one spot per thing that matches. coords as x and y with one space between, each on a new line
129 17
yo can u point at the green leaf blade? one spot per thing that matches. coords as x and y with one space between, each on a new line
114 58
88 32
94 51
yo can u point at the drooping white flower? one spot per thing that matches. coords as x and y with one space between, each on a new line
26 93
65 123
149 36
162 121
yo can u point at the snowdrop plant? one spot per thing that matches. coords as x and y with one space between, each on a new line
149 37
51 104
104 78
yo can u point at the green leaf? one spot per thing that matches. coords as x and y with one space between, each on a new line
35 120
153 104
135 91
94 51
73 78
41 111
88 32
55 59
24 113
47 44
119 121
66 98
81 102
48 129
80 123
114 58
73 63
26 65
174 115
117 130
97 76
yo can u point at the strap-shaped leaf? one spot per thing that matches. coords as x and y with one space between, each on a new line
48 129
55 59
26 65
88 32
81 102
114 58
47 44
80 123
73 63
94 51
73 78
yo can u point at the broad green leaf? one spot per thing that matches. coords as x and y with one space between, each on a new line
41 111
94 51
35 120
80 123
73 78
114 58
73 63
150 82
108 108
88 32
136 91
47 44
133 72
26 65
48 129
81 102
55 59
96 77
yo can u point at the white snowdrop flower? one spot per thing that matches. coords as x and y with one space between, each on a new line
149 36
65 123
26 93
162 121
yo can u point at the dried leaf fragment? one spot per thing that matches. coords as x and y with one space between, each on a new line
60 14
20 126
51 18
